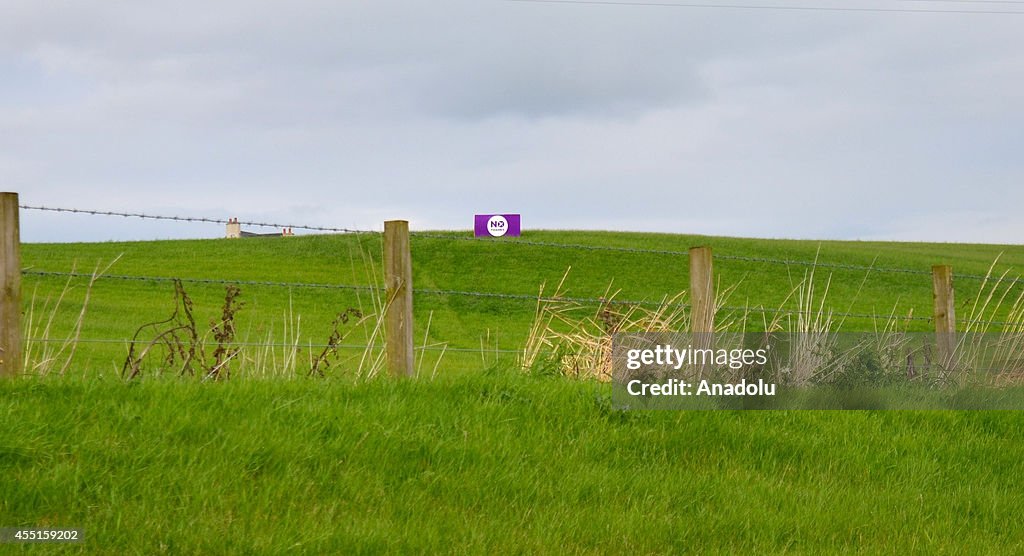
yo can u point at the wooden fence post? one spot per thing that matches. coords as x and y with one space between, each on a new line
945 313
398 289
702 301
10 286
702 290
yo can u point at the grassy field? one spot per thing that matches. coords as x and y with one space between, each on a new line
493 462
482 457
117 308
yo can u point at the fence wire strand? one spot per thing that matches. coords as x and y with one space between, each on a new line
521 297
503 242
199 219
531 298
432 347
216 281
763 260
521 242
573 246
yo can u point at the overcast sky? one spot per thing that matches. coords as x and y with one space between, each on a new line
742 122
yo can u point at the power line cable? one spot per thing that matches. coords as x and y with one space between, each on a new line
976 2
773 7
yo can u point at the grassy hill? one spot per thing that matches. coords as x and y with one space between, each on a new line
483 458
475 329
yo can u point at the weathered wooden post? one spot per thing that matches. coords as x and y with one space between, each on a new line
702 290
945 314
398 291
10 286
702 300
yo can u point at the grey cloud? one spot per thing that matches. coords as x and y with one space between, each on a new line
809 125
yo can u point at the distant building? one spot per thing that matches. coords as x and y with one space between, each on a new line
234 230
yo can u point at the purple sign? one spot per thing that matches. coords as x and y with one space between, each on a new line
496 225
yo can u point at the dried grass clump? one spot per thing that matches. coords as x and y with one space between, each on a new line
563 341
570 339
992 335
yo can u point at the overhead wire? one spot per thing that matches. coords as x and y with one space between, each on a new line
774 7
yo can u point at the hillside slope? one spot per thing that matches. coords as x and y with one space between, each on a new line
638 267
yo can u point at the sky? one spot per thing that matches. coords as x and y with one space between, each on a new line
830 124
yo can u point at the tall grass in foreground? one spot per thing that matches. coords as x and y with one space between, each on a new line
353 345
493 463
43 352
581 347
187 343
566 339
992 334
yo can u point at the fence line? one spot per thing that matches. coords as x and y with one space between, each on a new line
216 281
398 279
198 219
819 264
532 298
491 241
126 341
741 258
573 246
990 278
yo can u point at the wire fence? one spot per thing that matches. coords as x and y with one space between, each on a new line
213 281
294 345
527 243
199 219
718 257
511 297
519 297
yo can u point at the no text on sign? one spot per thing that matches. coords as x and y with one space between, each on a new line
497 225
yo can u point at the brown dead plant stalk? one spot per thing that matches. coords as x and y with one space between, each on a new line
322 361
184 348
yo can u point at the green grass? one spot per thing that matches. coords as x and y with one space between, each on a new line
483 461
492 462
118 308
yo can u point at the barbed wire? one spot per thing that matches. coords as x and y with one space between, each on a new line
216 281
603 301
780 310
198 219
819 264
432 347
532 298
573 246
764 260
989 278
537 298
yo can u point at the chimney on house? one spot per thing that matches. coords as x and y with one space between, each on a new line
234 229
